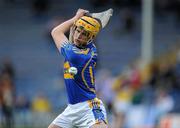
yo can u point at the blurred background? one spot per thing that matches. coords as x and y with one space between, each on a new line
138 71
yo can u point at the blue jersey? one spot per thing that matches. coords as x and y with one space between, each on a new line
80 87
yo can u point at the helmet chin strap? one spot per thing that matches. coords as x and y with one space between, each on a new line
81 46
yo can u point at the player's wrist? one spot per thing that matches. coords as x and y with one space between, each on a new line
80 13
74 19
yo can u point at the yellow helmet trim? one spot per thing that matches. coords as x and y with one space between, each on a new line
89 24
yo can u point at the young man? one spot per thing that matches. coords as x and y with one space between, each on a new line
84 109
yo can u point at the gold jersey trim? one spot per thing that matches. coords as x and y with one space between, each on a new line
82 74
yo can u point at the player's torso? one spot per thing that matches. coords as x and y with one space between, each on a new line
81 87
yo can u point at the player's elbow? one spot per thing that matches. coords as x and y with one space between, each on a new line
54 32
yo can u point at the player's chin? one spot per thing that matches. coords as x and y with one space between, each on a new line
79 42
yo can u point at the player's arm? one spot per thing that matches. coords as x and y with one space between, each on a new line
58 33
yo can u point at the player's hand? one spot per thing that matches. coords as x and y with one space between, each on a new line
80 12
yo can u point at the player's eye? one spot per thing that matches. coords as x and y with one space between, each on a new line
78 30
86 34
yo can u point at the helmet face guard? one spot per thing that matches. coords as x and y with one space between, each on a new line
88 25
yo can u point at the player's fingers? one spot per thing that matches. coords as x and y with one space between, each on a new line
82 11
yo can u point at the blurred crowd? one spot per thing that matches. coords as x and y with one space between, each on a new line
7 93
13 105
141 97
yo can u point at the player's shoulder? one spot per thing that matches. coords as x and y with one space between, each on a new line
93 50
91 45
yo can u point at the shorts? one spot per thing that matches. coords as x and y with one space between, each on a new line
82 115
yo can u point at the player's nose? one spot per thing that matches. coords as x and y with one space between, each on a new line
79 35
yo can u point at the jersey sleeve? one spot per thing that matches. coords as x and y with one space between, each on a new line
66 49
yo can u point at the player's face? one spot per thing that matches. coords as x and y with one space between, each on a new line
81 37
